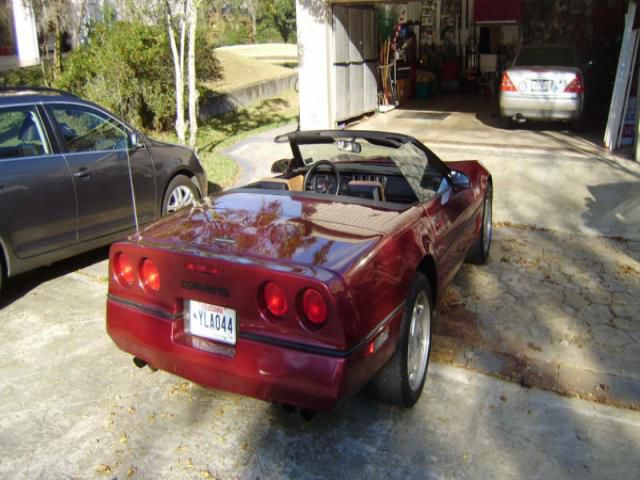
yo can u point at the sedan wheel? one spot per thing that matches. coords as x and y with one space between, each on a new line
181 193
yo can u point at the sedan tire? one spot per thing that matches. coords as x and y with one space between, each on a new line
402 379
180 193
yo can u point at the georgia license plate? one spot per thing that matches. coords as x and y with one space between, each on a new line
210 321
540 85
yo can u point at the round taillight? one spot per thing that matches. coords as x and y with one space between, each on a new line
123 269
275 300
149 276
314 307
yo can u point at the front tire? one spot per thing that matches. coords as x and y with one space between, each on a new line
181 193
479 252
402 379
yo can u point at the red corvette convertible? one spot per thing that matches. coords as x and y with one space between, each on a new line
303 288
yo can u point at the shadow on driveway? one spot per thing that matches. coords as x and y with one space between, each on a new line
20 285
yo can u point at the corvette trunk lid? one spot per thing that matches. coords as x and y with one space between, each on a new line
295 229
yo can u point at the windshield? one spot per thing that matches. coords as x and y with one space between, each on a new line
410 161
546 57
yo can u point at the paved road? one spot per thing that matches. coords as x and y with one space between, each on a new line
73 406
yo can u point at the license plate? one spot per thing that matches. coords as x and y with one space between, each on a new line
210 321
540 85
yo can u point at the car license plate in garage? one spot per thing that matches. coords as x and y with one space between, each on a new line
540 85
210 321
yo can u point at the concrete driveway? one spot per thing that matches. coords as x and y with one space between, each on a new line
73 406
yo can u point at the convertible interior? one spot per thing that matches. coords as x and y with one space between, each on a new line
378 181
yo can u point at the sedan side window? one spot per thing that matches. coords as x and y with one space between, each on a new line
22 134
86 130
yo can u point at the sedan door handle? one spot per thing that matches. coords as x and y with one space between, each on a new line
82 173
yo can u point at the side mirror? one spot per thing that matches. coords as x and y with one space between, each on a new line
459 180
280 166
135 140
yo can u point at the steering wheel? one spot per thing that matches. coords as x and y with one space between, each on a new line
320 163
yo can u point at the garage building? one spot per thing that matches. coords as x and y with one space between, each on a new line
359 57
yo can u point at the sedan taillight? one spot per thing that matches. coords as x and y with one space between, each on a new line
506 85
576 85
123 269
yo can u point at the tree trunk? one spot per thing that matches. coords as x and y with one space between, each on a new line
192 19
253 13
178 65
57 51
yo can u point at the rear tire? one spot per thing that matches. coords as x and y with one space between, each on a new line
479 252
578 125
401 380
507 123
181 193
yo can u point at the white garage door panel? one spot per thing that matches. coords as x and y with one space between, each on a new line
356 89
370 35
342 91
370 86
340 35
355 61
356 35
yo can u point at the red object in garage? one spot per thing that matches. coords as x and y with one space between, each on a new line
497 10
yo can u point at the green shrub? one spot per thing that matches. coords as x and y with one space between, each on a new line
128 68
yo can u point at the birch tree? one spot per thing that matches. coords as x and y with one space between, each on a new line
182 20
192 20
176 19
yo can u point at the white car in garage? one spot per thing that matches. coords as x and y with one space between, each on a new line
545 82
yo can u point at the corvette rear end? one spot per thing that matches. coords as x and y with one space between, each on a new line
240 319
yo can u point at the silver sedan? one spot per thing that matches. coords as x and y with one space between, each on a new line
544 83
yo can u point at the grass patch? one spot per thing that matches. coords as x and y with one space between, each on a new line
222 131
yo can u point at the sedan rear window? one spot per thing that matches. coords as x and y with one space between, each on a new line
546 57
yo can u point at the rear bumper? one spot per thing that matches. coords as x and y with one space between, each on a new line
541 108
251 367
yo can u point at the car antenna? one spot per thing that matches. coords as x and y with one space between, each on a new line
132 188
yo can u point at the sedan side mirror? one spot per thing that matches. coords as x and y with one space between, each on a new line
459 180
135 140
280 166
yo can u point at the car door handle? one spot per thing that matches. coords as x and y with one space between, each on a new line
82 173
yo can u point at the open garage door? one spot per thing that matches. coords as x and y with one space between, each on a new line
354 66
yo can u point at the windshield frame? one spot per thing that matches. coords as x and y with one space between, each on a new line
383 139
392 140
